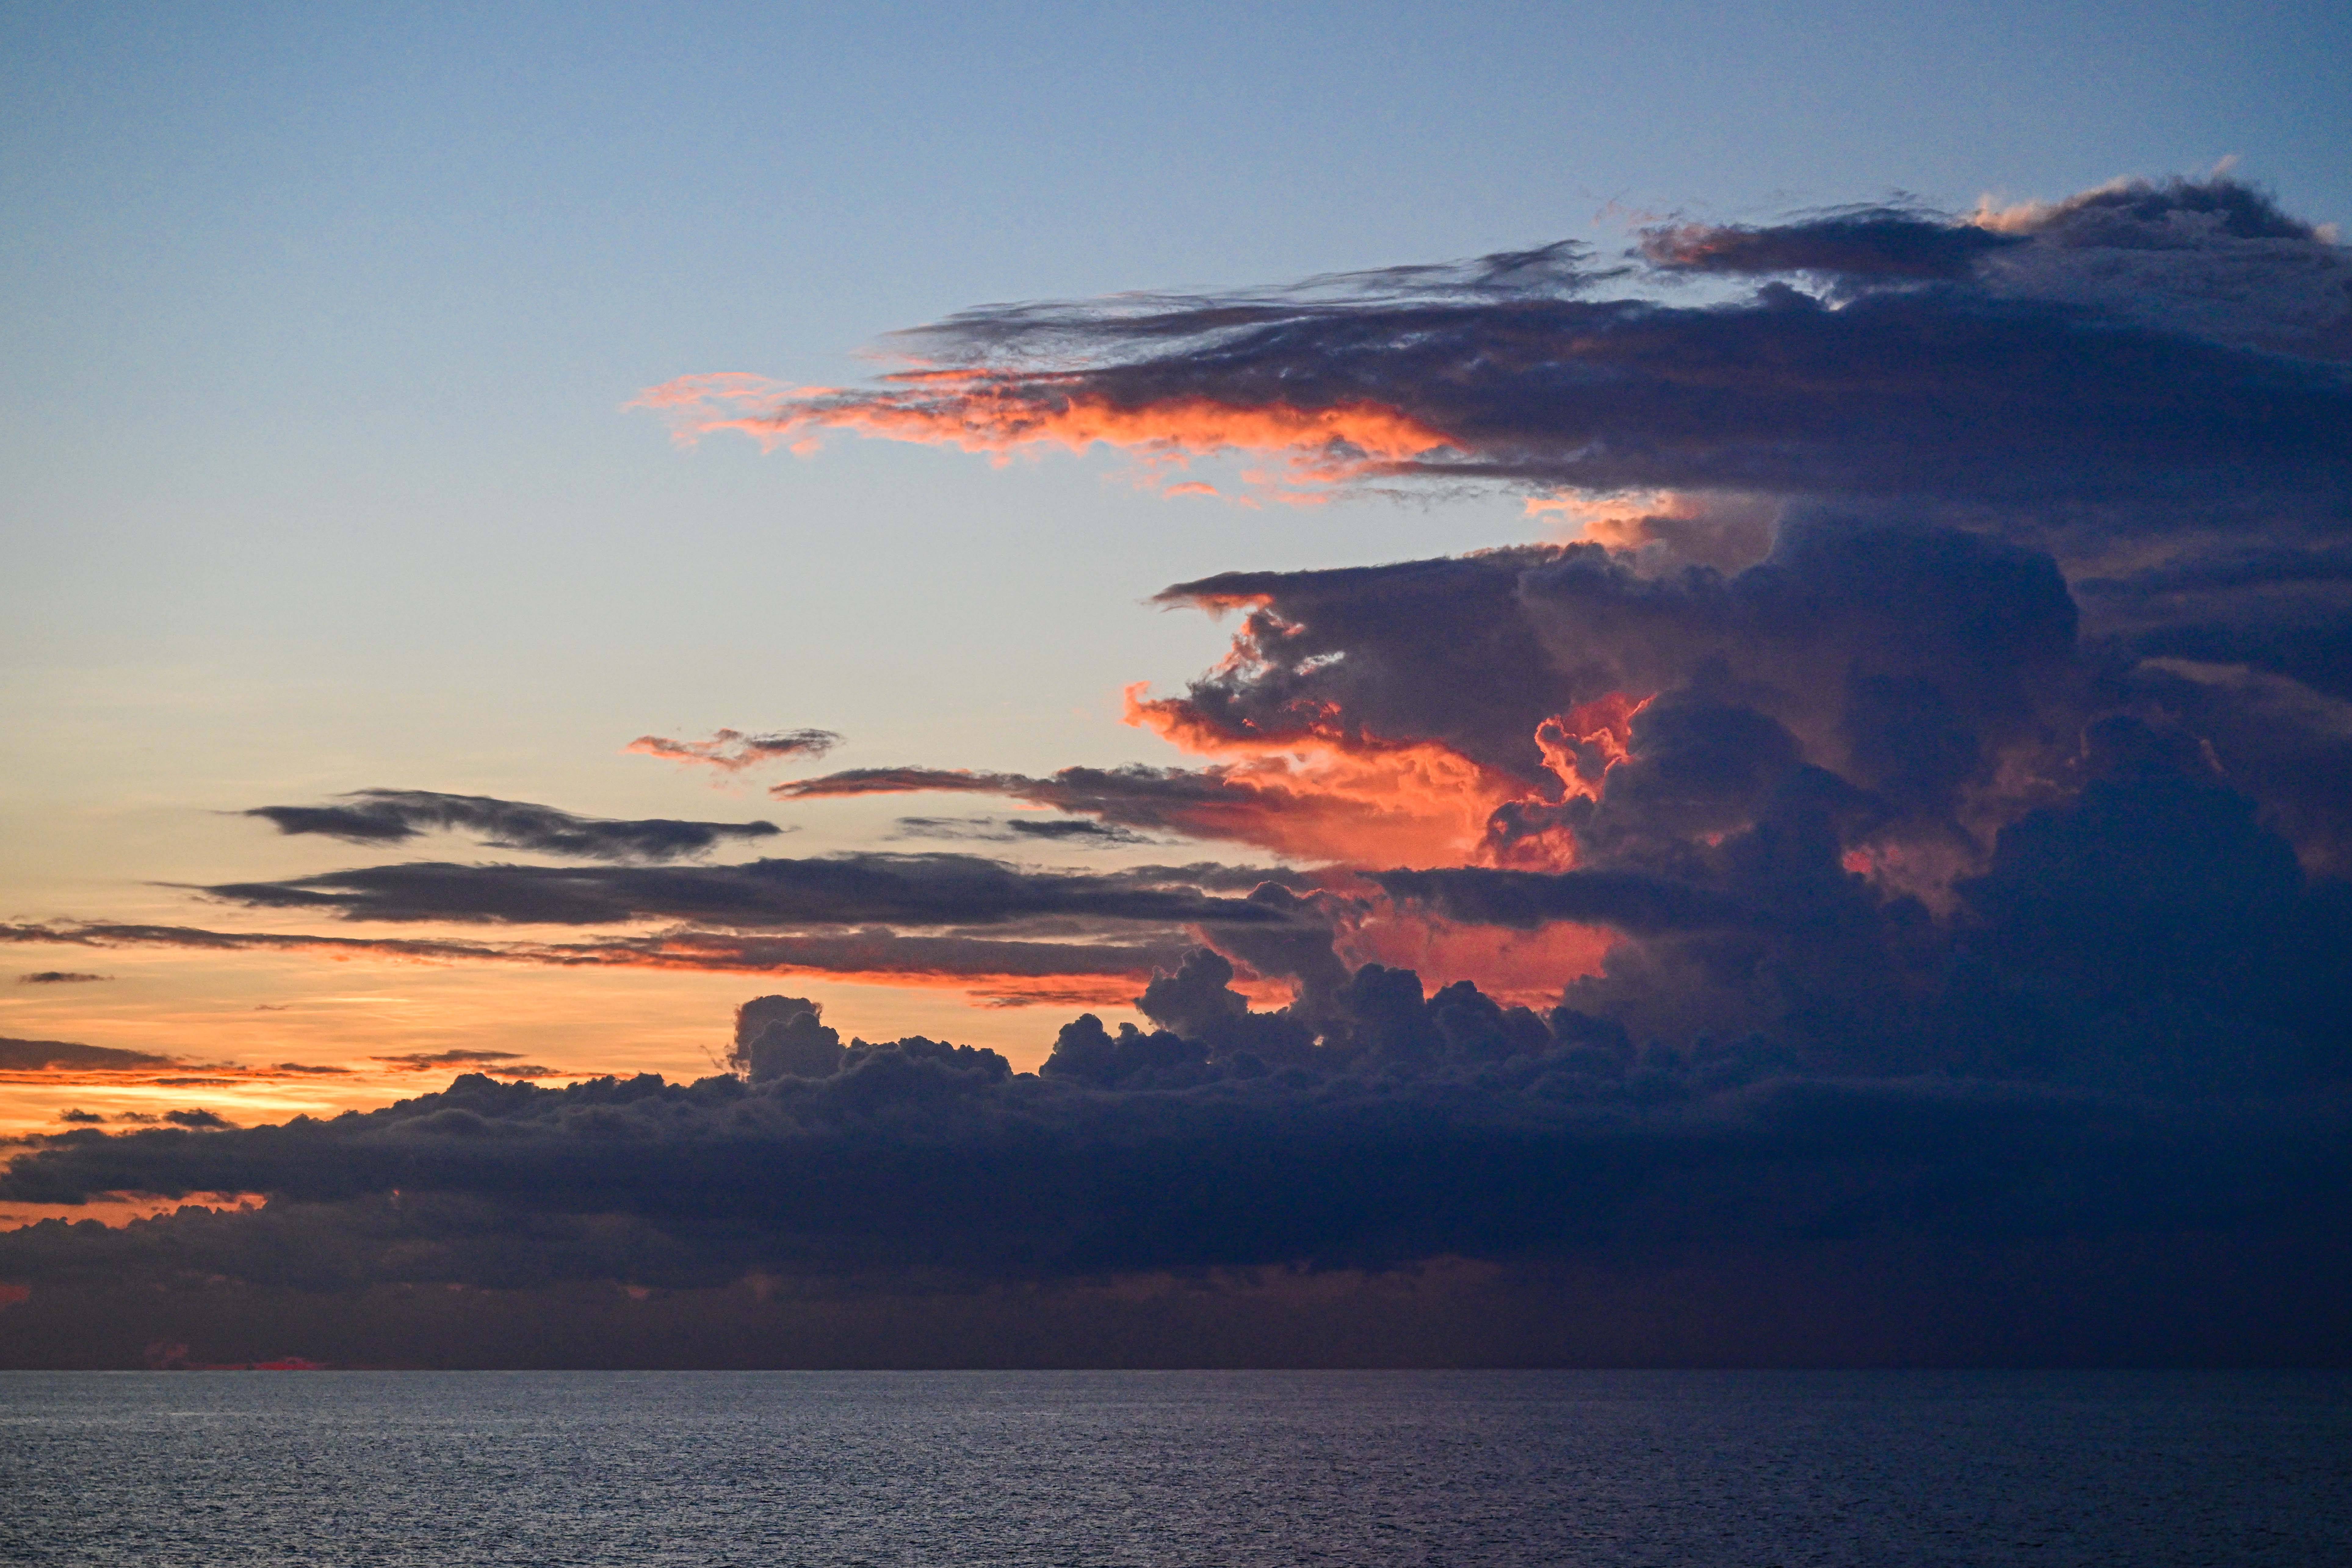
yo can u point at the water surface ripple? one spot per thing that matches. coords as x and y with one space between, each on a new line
1693 1469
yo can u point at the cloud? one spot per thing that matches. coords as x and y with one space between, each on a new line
1447 1130
59 977
63 1056
1928 666
2215 257
1090 969
60 1063
1869 242
394 815
921 890
1743 758
732 751
1311 795
1627 900
2111 365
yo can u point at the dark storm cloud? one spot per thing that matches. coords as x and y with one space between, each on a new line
1626 901
394 815
930 889
59 977
2278 740
1001 969
2261 568
1384 1127
1413 648
2144 933
917 1166
732 751
2214 257
1848 635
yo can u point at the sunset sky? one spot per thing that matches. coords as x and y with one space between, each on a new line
530 529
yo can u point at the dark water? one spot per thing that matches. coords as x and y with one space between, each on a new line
1693 1469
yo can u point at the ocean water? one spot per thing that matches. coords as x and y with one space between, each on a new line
1693 1469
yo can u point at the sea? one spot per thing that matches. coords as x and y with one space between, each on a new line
1689 1468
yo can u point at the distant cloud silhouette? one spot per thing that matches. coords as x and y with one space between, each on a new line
394 815
732 751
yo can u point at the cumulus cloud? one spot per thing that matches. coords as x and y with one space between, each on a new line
1909 553
1877 615
1442 1129
1308 799
395 816
64 1056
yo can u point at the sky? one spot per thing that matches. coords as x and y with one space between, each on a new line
1633 605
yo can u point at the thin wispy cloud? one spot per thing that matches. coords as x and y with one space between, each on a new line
733 750
396 815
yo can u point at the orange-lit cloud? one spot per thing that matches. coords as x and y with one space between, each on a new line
1321 794
999 415
1346 802
67 1064
1583 745
1527 968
